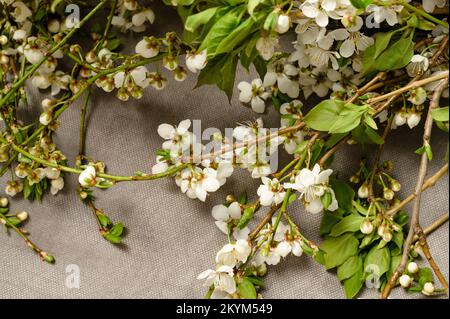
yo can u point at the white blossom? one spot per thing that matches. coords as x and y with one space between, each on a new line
196 61
253 93
87 177
312 185
270 192
222 279
233 254
225 215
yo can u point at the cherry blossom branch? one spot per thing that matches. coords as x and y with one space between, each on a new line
427 184
48 54
249 143
426 251
43 254
408 87
415 223
435 225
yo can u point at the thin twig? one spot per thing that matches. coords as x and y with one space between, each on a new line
415 222
430 182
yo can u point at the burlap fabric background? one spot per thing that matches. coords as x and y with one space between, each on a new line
172 238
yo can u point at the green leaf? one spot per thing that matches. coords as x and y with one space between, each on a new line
220 30
117 229
348 119
401 218
397 56
378 260
323 115
246 289
243 198
354 284
246 217
369 121
235 37
369 239
113 44
326 199
361 4
395 261
344 194
427 150
339 249
201 18
112 238
371 53
220 71
350 267
440 114
104 220
271 21
350 223
252 4
329 219
425 275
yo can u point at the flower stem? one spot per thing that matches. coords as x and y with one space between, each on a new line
44 255
424 14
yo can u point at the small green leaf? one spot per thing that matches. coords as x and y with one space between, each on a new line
350 223
350 267
440 114
344 194
323 115
425 275
117 229
246 289
339 249
252 4
378 260
361 4
246 217
329 219
198 19
354 284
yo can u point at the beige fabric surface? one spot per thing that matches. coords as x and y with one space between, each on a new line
171 238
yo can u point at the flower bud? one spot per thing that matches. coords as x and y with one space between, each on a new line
428 288
75 48
400 118
283 23
387 235
413 119
53 26
47 104
45 118
91 57
363 191
4 59
413 268
405 281
4 202
230 198
47 257
261 270
366 226
388 193
22 216
354 179
3 39
395 185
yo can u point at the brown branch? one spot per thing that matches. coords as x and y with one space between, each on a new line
435 225
426 251
406 88
333 150
264 221
415 222
439 52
